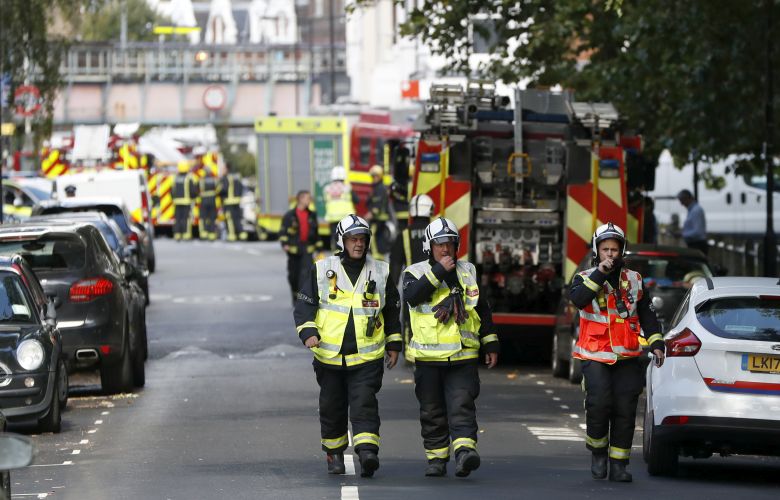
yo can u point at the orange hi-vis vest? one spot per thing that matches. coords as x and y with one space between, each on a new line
604 335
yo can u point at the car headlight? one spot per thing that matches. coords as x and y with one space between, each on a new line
30 354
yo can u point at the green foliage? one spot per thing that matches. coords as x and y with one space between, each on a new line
240 160
102 21
689 75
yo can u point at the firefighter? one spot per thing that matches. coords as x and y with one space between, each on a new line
340 201
299 239
450 321
185 190
230 191
614 312
347 314
208 205
378 211
408 245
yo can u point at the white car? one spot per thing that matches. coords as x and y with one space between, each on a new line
719 389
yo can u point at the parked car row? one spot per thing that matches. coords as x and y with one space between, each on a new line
73 295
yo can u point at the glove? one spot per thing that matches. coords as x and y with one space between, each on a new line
459 309
443 310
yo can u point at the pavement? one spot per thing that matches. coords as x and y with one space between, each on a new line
229 411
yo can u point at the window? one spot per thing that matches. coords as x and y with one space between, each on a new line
365 151
665 271
759 182
49 252
681 311
742 318
379 152
14 304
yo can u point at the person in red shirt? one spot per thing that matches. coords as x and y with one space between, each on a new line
299 239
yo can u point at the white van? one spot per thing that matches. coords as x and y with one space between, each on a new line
738 208
129 185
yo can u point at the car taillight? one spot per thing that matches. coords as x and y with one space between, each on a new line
133 237
88 289
675 420
683 343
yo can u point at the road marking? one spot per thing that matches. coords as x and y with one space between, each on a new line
349 493
254 252
541 382
36 495
549 391
583 426
349 438
98 422
223 299
556 398
84 441
556 434
66 462
91 431
564 407
349 464
105 413
574 415
76 452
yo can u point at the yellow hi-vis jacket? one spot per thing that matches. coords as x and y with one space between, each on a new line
435 341
335 304
338 202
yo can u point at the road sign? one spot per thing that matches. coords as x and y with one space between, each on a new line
214 97
27 100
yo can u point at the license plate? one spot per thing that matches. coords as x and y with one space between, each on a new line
761 363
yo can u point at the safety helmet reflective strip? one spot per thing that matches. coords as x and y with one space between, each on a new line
605 232
438 229
611 205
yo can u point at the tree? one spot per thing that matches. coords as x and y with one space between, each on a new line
690 76
103 18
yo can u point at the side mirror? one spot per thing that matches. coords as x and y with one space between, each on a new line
51 314
127 270
15 451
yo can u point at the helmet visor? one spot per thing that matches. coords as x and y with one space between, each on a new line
443 240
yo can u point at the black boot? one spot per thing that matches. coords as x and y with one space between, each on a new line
336 463
618 472
436 468
598 465
465 462
369 462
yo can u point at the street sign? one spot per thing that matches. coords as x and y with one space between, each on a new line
27 100
214 97
5 89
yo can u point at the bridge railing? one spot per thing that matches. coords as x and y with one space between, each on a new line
182 62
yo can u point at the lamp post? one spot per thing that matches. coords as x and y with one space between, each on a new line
770 239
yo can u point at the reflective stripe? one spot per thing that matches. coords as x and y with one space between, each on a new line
443 453
424 308
308 324
626 352
333 307
464 443
406 235
654 337
619 453
365 438
433 279
335 443
596 318
371 348
471 301
597 443
433 347
466 353
469 335
365 311
591 284
489 338
329 347
393 337
609 357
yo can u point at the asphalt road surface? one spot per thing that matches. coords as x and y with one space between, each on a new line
229 411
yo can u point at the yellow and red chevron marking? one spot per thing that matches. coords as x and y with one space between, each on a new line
210 165
454 200
160 185
51 163
611 206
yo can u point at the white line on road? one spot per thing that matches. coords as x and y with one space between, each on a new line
349 493
35 495
66 462
105 413
91 431
583 426
76 452
549 391
564 407
349 464
84 441
98 422
563 430
574 415
541 382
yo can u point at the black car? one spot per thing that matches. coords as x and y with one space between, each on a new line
667 273
116 210
124 250
99 312
33 377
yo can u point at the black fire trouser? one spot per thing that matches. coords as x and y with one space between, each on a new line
611 396
297 264
182 227
447 410
349 393
208 218
233 222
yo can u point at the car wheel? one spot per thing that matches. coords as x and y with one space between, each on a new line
144 337
151 261
139 369
558 365
145 287
118 377
52 422
575 367
62 386
661 458
5 484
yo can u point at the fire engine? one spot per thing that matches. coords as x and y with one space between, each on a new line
526 186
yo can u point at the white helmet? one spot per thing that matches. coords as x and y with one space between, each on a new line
608 231
352 225
338 173
440 231
421 205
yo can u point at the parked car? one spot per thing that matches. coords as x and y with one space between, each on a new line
718 390
667 274
99 313
20 194
33 377
117 211
15 452
122 248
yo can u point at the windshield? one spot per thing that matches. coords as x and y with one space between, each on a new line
743 318
759 181
14 307
664 271
38 193
49 252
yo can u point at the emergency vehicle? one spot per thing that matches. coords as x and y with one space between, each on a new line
526 186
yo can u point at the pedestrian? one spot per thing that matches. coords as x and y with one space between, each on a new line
208 206
340 201
347 314
614 312
230 191
299 239
378 211
694 230
649 224
185 190
450 321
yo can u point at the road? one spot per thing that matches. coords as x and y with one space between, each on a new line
230 412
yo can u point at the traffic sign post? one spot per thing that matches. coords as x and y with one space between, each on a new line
27 100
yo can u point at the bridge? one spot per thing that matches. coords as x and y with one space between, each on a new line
178 84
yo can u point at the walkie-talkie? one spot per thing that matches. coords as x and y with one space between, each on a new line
331 275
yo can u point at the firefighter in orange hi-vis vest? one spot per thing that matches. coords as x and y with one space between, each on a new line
614 312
